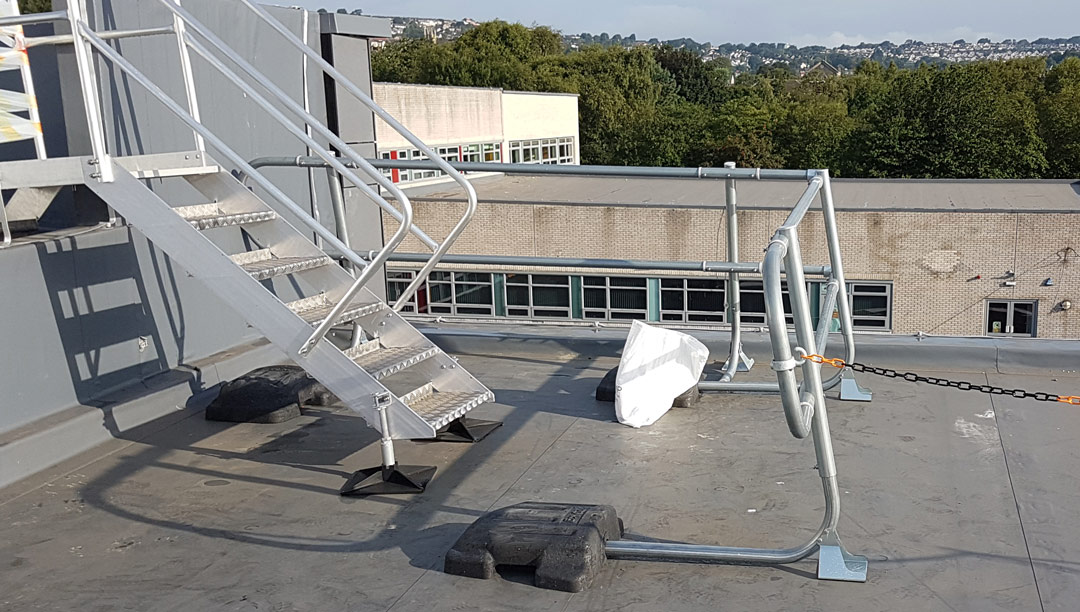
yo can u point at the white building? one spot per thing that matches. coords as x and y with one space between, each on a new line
477 125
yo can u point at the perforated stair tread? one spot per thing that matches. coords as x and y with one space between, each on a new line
439 408
382 361
209 216
315 309
262 265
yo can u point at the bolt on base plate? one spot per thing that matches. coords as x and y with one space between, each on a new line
391 480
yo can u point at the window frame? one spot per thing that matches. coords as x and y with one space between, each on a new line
1011 303
532 308
608 310
887 318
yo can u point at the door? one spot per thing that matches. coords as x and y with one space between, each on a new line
1010 317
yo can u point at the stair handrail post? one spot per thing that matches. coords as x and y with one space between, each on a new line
88 83
328 157
173 106
380 112
189 78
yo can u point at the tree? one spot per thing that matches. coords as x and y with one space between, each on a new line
35 6
413 31
1059 119
696 81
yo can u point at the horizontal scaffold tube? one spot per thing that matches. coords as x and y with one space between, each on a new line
763 174
628 264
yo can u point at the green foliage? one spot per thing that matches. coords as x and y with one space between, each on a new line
34 6
664 106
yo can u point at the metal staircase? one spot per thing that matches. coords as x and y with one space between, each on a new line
246 252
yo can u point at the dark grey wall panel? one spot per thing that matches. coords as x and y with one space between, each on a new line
356 123
96 312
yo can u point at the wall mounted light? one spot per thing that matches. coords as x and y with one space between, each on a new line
1065 304
1048 282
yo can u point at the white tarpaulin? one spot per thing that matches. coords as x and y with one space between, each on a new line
657 366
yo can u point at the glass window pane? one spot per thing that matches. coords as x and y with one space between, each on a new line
671 282
671 317
753 302
671 300
473 310
710 318
551 296
1023 318
440 293
997 317
707 301
705 283
517 279
517 295
439 276
595 298
869 306
551 313
870 288
547 279
628 282
629 299
518 312
474 294
596 281
628 316
472 277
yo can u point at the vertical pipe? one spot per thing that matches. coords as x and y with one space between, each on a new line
804 335
189 79
84 58
387 440
835 260
734 311
825 317
307 127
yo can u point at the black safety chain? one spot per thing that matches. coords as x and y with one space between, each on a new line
962 385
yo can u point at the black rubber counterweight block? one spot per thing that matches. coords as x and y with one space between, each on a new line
272 394
563 542
605 392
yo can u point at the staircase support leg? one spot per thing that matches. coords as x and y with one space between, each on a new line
388 478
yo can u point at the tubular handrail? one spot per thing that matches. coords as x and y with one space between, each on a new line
234 157
367 101
380 258
215 41
406 222
303 161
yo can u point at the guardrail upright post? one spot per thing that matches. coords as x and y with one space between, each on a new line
849 388
737 360
834 563
84 58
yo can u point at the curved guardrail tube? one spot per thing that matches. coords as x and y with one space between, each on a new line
798 414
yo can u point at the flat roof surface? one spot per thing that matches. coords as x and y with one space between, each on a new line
961 501
849 194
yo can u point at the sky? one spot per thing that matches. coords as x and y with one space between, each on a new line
825 22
